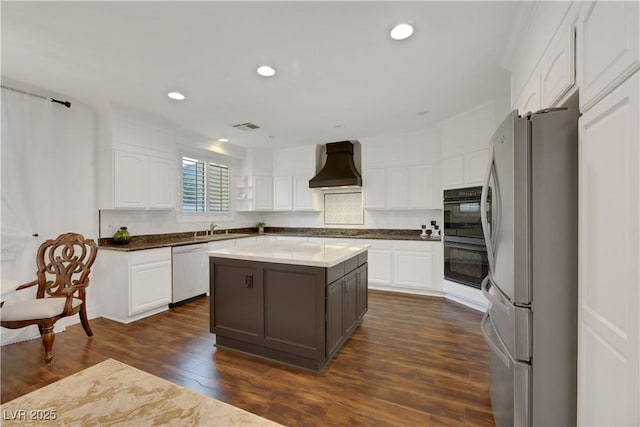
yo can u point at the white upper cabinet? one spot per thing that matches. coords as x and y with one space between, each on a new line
130 171
453 172
529 100
374 187
405 188
465 141
557 68
304 198
292 170
141 181
137 164
401 172
421 187
263 194
162 183
608 48
398 189
282 193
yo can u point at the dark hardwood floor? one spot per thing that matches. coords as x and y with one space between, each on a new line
414 361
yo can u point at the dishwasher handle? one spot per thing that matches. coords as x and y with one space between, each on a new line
189 248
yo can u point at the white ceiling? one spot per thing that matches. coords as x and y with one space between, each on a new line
339 75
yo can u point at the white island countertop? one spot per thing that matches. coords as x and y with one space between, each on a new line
297 253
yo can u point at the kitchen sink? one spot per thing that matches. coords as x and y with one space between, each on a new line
220 237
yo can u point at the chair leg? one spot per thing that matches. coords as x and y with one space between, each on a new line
85 321
47 340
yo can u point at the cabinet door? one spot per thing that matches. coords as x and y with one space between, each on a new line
282 193
374 186
608 44
335 328
263 193
350 302
362 297
162 183
303 196
475 167
453 172
150 286
421 187
130 175
529 99
240 288
380 269
398 188
412 269
557 69
609 263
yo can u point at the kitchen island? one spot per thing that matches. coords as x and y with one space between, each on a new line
296 303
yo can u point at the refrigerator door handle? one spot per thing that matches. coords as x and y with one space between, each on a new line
495 301
499 349
486 230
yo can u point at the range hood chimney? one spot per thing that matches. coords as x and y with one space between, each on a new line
339 169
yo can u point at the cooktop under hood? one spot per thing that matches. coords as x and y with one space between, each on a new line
339 169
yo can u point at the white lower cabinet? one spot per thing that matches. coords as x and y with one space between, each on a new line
412 265
380 259
134 284
405 266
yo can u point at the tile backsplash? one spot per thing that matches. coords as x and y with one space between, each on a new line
343 209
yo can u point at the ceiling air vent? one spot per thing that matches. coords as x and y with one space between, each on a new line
246 126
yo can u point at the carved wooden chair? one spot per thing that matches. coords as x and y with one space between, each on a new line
64 265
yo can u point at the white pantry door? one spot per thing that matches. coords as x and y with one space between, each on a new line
609 259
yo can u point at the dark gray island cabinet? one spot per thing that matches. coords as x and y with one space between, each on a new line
295 303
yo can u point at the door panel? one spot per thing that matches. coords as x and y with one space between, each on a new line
509 381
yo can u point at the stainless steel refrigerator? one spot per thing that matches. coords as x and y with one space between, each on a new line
531 233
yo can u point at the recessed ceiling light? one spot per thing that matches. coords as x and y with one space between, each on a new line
223 140
176 95
401 31
266 71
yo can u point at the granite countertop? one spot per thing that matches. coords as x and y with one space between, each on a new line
297 253
152 241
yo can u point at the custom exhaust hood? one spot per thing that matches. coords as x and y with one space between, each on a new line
339 169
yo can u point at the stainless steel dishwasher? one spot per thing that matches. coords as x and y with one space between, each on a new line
190 277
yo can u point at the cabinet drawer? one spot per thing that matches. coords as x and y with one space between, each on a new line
150 255
409 245
362 258
378 244
351 264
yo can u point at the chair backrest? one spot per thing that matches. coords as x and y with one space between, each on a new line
64 262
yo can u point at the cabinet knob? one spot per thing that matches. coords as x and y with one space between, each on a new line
248 280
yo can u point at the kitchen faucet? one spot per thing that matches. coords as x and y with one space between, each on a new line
212 228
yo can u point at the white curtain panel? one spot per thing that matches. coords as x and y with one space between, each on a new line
48 185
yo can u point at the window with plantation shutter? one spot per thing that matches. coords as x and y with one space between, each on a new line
205 186
218 191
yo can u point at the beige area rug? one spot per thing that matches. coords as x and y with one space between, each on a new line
115 394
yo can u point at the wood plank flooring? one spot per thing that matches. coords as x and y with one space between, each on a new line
414 361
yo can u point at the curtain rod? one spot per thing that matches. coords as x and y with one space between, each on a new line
65 103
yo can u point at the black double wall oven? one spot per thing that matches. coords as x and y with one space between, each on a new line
465 252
